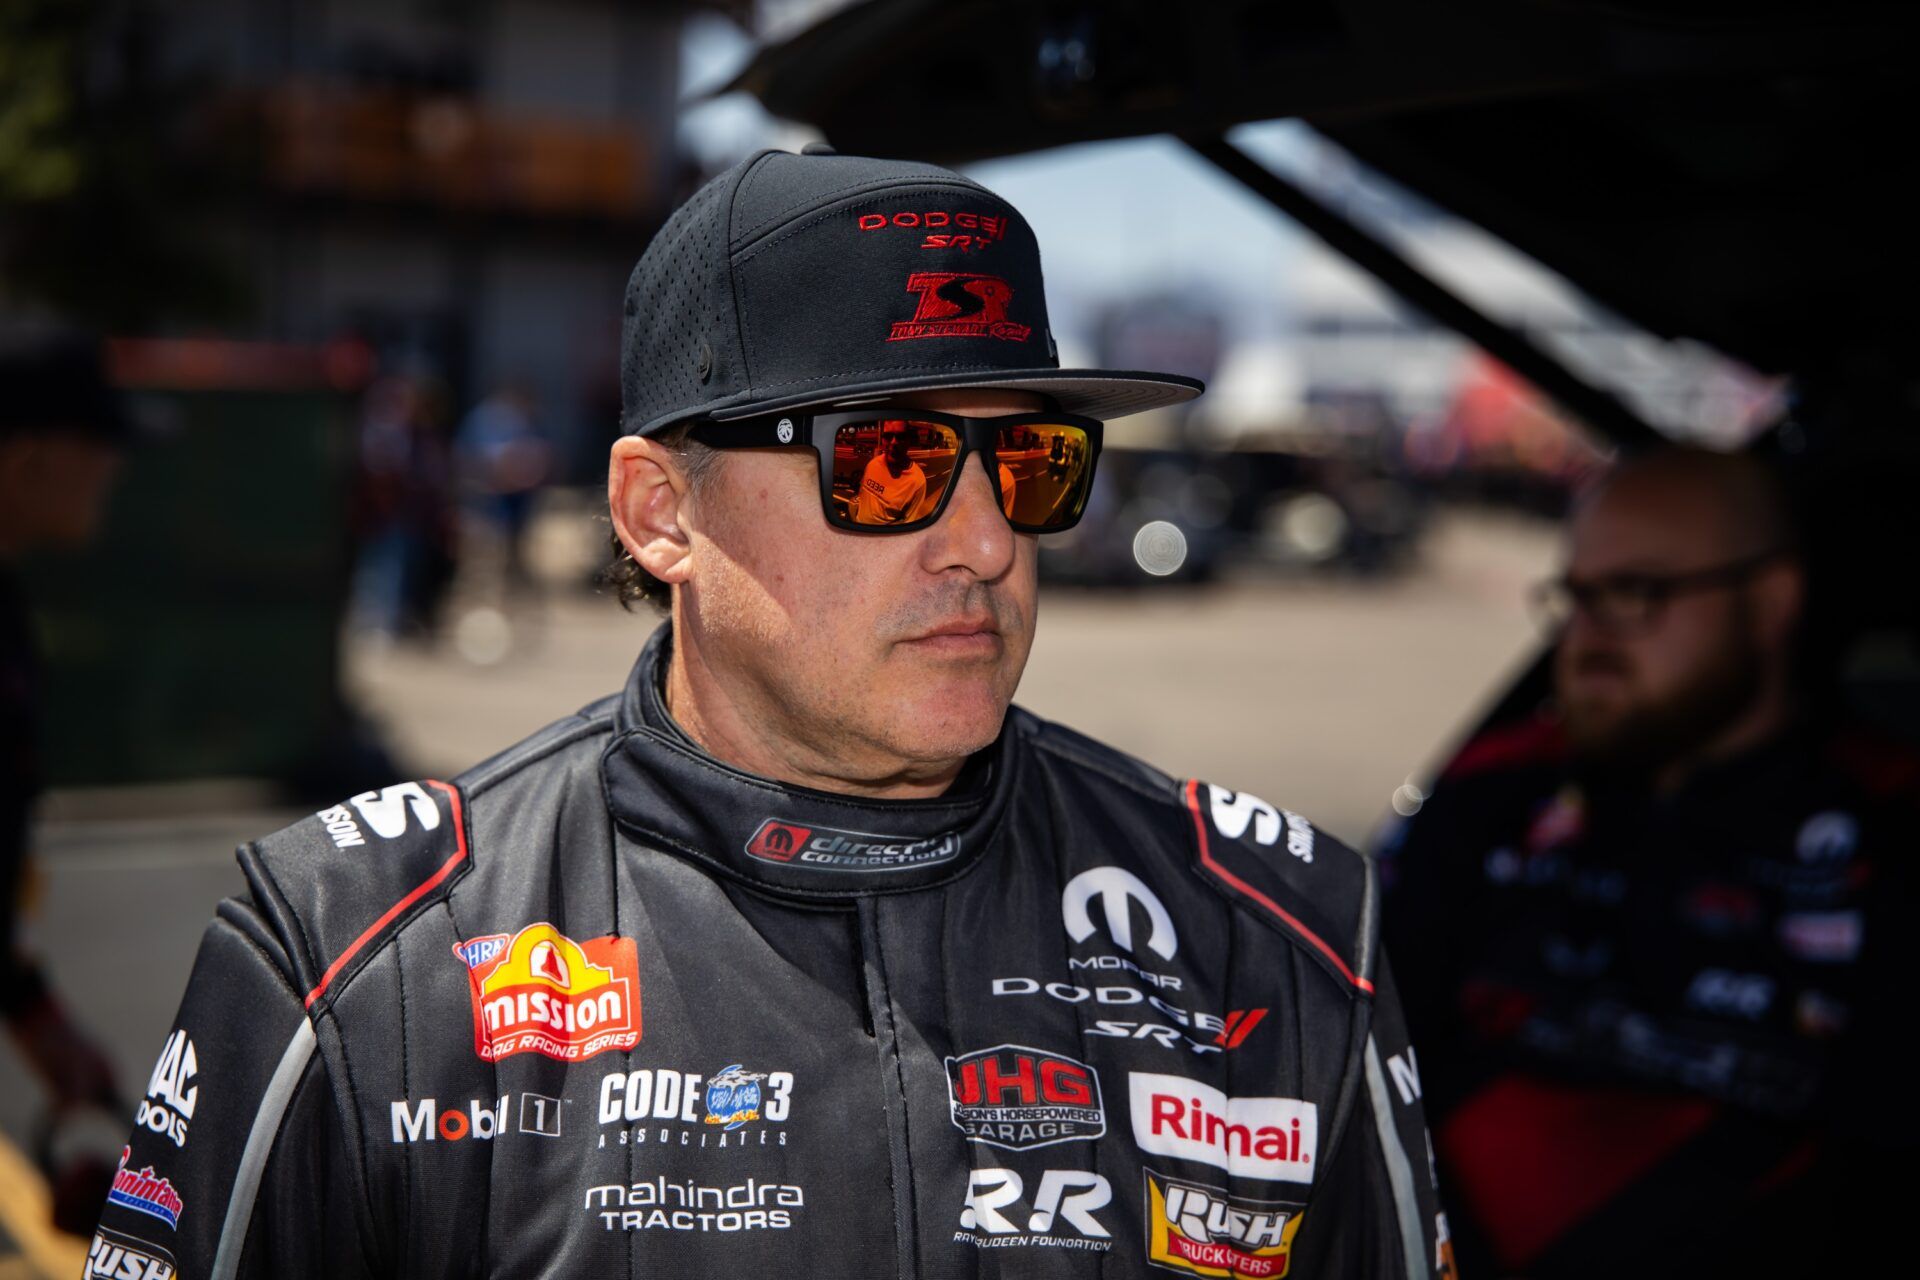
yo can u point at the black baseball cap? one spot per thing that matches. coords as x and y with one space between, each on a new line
812 279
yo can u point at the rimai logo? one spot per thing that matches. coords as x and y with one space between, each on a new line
541 992
778 842
1116 888
1203 1231
1268 1138
1014 1097
955 304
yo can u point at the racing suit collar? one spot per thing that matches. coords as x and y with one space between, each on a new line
668 793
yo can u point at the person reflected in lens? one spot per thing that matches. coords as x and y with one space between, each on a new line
893 487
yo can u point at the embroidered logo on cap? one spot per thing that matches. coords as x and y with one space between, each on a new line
955 304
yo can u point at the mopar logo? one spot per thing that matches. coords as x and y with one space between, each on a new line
834 850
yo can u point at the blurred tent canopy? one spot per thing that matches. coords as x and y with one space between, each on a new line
1722 171
1728 171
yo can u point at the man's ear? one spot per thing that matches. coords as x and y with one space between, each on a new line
647 494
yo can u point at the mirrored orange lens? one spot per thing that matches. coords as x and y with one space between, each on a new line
892 470
1043 473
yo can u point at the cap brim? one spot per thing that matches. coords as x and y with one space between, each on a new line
1090 393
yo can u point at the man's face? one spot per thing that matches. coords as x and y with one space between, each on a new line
1644 694
896 442
869 649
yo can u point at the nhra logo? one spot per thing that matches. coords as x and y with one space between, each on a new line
956 304
170 1097
1268 1138
1014 1097
539 991
1203 1231
145 1192
118 1257
835 850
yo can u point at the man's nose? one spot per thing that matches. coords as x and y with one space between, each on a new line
973 533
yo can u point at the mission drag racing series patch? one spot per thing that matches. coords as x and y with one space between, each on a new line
539 991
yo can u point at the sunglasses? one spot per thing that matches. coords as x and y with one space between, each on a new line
891 470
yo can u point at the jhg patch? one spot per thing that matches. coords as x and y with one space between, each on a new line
1014 1097
1202 1231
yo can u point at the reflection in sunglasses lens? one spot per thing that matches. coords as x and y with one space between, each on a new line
1043 468
891 470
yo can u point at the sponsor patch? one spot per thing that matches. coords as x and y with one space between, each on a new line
1187 1029
661 1106
1273 1139
1203 1231
425 1121
539 991
171 1093
1823 937
1061 1214
733 1096
835 850
145 1192
1014 1097
958 304
115 1256
665 1205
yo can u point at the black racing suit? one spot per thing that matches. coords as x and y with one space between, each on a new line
1662 1035
605 1006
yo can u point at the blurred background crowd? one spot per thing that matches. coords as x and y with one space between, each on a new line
357 268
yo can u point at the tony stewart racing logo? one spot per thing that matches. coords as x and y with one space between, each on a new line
836 850
956 304
1015 1097
539 991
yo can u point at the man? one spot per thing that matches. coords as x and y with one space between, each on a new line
893 485
61 430
804 955
1652 939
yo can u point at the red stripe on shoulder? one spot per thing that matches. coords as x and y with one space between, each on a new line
418 892
1241 886
1535 740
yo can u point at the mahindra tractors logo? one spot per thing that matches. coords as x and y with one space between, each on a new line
778 842
1014 1097
957 304
834 850
1268 1138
